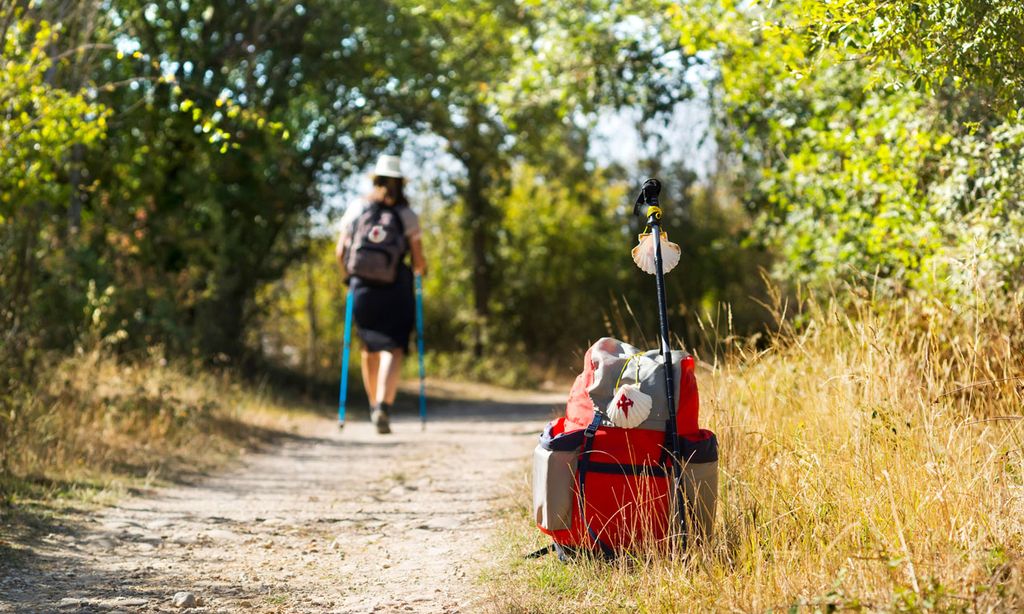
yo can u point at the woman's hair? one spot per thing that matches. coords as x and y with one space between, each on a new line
395 187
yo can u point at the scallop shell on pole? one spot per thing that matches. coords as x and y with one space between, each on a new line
643 253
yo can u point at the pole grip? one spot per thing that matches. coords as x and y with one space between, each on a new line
648 197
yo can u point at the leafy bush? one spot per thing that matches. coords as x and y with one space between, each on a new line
855 167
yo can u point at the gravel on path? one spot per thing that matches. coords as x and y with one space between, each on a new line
325 521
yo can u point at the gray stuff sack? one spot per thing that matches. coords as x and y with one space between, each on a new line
619 362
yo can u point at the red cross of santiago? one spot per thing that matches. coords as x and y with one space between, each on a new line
624 404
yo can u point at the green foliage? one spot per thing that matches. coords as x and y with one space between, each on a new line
302 315
560 249
532 253
503 82
219 224
220 127
39 122
853 174
977 204
971 45
221 122
40 125
566 279
565 253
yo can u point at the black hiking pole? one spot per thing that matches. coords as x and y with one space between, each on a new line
648 200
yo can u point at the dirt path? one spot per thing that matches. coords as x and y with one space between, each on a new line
327 521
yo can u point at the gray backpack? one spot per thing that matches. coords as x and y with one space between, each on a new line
377 245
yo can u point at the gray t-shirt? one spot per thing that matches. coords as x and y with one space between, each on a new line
410 221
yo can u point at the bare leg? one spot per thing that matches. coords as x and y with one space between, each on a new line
370 366
391 370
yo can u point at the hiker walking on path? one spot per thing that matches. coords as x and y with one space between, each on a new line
376 234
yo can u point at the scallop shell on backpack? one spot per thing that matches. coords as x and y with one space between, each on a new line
629 407
643 253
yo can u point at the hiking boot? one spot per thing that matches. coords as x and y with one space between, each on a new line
379 417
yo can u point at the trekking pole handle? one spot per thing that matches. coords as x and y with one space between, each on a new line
648 197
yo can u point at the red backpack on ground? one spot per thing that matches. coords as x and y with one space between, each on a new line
601 475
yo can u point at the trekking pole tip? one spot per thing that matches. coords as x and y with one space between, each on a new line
341 425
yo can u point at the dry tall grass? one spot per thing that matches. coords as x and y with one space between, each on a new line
869 462
95 424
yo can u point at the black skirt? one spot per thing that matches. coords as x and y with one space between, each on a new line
384 314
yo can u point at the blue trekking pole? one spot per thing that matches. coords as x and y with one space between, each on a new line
419 350
345 350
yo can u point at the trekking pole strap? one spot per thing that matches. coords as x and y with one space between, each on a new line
536 554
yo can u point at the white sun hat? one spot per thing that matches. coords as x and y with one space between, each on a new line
388 166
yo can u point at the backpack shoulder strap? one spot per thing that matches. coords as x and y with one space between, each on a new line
584 461
398 216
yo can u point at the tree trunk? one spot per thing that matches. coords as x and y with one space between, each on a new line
477 210
311 353
76 175
479 222
220 326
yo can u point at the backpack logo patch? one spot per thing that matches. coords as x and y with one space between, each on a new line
377 234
